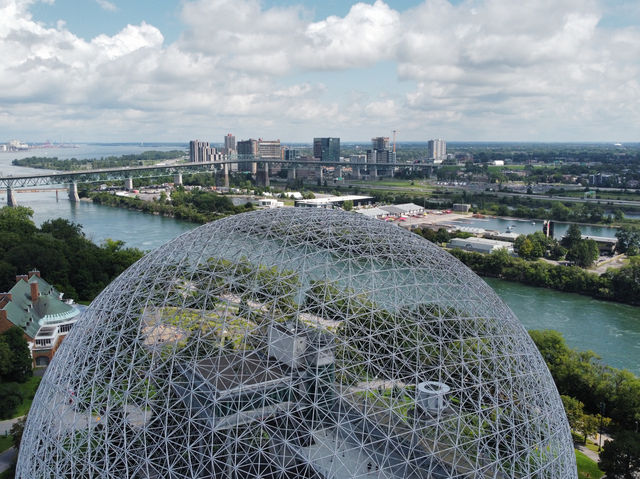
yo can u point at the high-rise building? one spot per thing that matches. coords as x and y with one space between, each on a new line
248 148
380 143
229 144
437 149
270 150
200 151
326 149
380 153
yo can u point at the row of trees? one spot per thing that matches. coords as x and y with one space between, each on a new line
622 285
582 252
61 252
198 206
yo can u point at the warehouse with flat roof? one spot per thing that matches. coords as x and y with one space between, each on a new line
480 245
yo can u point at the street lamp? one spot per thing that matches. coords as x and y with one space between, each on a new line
602 406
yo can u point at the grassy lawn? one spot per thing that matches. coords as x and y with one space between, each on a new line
5 442
592 446
587 468
28 390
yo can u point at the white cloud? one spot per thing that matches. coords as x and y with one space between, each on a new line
107 5
481 69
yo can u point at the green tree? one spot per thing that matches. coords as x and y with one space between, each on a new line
572 237
525 248
17 429
347 205
17 220
583 253
628 239
574 410
5 358
620 458
589 425
20 366
560 212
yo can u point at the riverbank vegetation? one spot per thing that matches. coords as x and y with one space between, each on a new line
72 164
61 252
622 285
595 396
199 206
581 252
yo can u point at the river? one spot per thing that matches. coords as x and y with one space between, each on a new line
611 330
531 226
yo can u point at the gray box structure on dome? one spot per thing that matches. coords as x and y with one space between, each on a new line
297 343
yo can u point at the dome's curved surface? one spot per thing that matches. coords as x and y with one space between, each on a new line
297 343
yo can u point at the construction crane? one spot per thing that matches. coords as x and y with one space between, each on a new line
395 132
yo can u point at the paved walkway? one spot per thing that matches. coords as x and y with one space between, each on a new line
5 426
6 458
588 452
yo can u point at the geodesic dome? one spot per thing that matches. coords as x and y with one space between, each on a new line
297 343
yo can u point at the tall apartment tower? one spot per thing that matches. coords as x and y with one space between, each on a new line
437 149
268 150
200 151
248 148
380 153
380 143
326 149
229 144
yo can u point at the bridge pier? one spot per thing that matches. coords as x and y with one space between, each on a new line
177 178
291 173
262 175
11 197
128 184
226 175
73 192
320 175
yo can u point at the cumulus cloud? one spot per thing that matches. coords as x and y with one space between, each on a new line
107 5
479 69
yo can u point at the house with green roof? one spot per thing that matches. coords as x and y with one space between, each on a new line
37 308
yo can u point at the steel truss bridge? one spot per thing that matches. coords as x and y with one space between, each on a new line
245 164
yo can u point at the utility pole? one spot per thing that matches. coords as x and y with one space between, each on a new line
602 406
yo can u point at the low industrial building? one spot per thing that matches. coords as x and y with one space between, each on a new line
605 244
462 207
373 212
480 245
269 203
37 308
405 209
334 201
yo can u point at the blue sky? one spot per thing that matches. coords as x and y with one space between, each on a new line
477 70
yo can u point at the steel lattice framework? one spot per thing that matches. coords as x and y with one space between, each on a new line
297 343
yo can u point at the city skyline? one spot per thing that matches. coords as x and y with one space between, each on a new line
461 70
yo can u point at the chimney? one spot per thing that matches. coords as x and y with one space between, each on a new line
5 298
34 291
21 276
35 272
3 314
